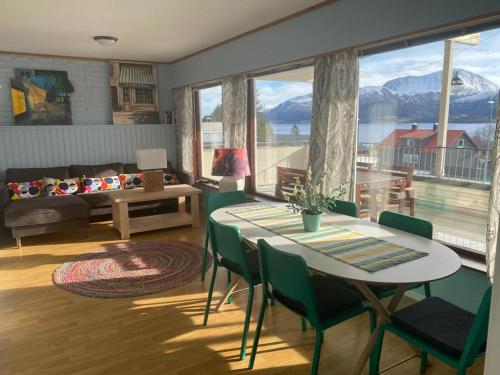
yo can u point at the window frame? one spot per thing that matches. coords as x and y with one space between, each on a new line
197 135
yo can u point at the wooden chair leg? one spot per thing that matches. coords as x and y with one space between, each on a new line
413 206
246 325
317 351
210 292
260 321
204 259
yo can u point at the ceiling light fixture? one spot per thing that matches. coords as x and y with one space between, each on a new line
105 41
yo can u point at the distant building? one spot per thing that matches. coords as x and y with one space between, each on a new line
418 147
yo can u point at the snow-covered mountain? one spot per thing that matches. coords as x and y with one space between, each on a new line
405 99
432 82
295 110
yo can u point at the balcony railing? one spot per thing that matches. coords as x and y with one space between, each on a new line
463 165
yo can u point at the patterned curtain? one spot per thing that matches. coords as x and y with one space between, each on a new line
234 111
494 211
184 127
334 120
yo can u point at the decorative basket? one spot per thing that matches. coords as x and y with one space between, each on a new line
153 181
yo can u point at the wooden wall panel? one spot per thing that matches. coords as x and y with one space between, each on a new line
48 146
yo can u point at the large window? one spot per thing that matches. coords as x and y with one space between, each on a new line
211 130
400 127
283 124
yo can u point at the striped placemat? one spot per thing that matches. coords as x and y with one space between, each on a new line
367 253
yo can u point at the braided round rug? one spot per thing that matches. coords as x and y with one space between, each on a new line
131 269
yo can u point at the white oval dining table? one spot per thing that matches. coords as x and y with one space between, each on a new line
440 262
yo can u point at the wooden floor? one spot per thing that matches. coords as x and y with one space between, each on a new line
45 330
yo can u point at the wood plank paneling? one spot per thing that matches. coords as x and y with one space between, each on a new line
50 146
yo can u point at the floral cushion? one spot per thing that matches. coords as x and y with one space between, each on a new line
91 185
131 180
54 186
170 179
22 190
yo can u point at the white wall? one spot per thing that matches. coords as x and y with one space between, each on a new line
342 24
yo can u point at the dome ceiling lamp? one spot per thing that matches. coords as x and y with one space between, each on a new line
105 41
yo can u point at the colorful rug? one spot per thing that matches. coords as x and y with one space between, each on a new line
131 269
366 253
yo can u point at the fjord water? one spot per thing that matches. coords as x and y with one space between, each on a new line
376 132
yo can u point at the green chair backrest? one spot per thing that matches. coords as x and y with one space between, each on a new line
345 208
289 275
479 330
219 200
406 223
226 241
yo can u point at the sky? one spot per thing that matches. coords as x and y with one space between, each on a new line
375 70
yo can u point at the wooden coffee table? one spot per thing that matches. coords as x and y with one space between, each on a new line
126 225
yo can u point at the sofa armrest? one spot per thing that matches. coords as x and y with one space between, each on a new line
184 177
4 201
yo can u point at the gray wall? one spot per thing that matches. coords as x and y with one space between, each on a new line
342 24
91 101
50 146
92 138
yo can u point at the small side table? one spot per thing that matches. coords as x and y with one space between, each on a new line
126 225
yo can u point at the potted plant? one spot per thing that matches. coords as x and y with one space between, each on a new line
311 202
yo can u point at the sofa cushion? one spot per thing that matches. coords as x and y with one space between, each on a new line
97 199
32 174
92 185
24 190
55 186
45 210
103 170
131 180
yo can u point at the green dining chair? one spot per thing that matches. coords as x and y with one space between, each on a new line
447 332
214 202
236 257
321 300
345 208
409 224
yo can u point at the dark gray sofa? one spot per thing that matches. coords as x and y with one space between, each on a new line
28 217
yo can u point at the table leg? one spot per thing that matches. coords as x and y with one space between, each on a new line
116 216
195 210
182 204
384 315
123 223
229 291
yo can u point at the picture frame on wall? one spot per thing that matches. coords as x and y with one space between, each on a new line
134 94
41 97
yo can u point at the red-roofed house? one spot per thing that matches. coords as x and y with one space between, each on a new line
418 147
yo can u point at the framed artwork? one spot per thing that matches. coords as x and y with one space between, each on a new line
41 97
134 93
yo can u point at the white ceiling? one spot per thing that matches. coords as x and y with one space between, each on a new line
148 30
